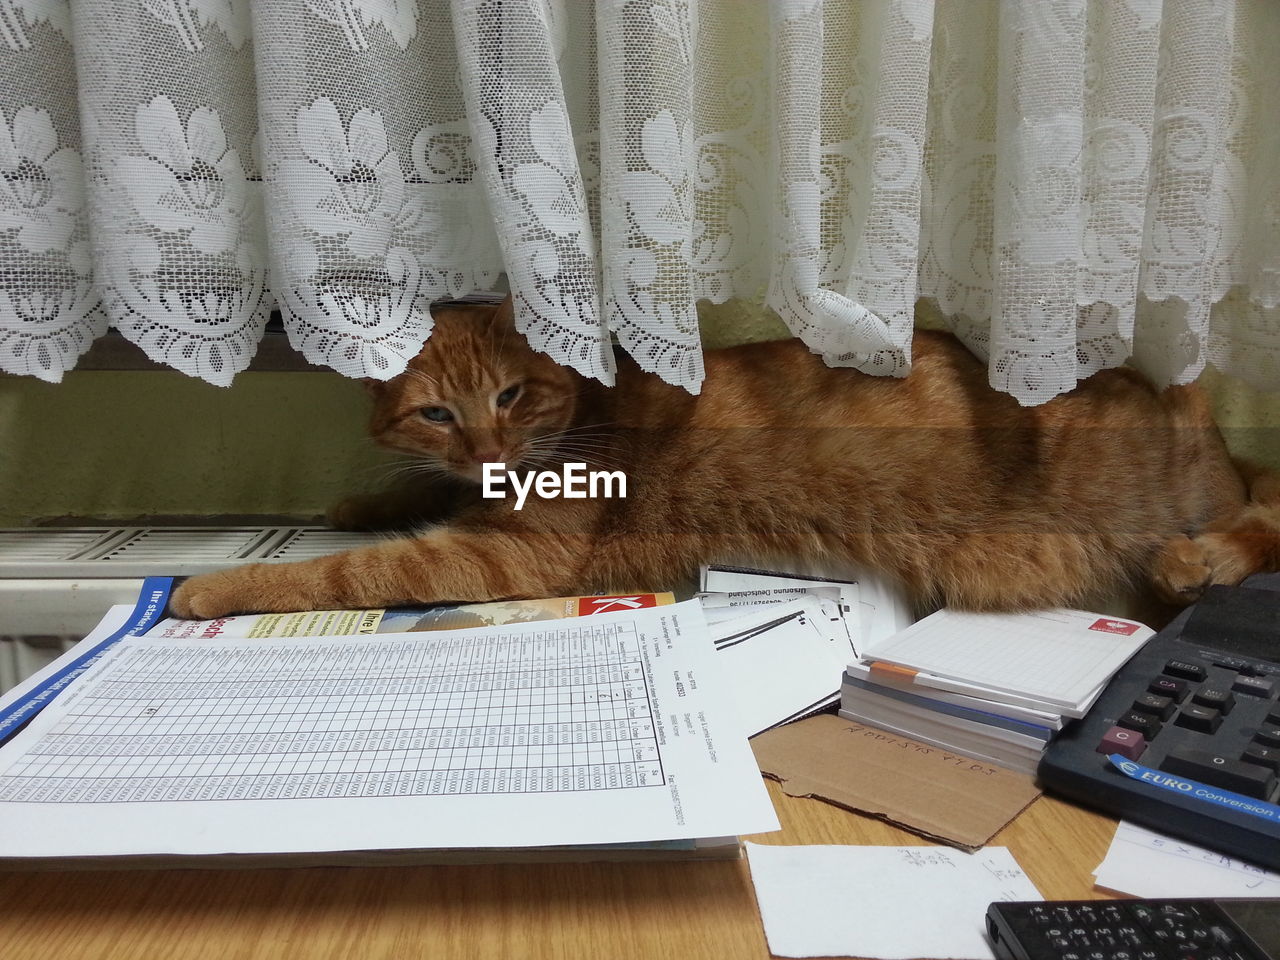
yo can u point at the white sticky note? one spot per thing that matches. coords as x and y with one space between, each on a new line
1146 864
893 903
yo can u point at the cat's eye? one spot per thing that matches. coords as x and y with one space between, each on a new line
437 414
508 395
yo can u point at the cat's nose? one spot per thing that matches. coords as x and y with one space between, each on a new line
493 455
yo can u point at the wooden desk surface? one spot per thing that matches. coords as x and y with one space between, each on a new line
682 911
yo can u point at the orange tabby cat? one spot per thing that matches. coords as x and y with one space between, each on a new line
955 490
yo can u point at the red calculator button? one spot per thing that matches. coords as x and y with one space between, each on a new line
1128 743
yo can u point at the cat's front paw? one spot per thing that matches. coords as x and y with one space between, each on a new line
212 595
1182 570
354 513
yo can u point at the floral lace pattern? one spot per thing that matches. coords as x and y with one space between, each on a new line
1076 183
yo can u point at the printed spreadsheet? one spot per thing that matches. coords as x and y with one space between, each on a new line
535 710
614 728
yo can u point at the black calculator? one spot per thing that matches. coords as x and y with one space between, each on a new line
1185 740
1227 929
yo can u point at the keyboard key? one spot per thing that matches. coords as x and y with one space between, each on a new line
1215 697
1270 736
1263 756
1218 771
1146 914
1274 716
1185 669
1144 723
1169 687
1159 707
1130 744
1199 718
1254 686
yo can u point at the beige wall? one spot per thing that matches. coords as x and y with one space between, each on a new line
118 445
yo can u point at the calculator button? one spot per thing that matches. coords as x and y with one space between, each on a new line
1218 699
1181 668
1195 717
1268 735
1159 707
1274 716
1169 687
1263 756
1254 686
1235 775
1144 723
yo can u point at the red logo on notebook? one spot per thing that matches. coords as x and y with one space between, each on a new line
1114 626
590 605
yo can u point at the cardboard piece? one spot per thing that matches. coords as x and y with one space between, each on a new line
924 789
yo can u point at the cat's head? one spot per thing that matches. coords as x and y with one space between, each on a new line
476 393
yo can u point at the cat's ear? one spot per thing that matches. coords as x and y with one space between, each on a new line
503 316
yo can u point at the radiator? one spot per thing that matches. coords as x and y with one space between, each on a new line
56 583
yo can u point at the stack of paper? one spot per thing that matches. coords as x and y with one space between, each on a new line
615 728
994 687
784 638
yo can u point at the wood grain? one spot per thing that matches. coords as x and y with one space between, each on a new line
651 910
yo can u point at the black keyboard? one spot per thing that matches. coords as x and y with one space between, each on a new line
1135 930
1186 738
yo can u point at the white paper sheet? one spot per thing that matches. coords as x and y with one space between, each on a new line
894 903
875 610
781 661
606 729
1143 863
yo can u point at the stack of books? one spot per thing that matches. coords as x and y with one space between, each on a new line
993 687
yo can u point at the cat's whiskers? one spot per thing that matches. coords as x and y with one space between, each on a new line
552 449
421 377
415 467
571 430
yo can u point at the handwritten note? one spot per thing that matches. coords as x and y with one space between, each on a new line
1147 864
820 901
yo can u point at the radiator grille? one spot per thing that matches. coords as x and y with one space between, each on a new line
56 583
88 552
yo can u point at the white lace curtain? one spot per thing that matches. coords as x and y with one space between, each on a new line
1073 181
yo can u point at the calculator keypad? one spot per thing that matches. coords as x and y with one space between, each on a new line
1215 721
